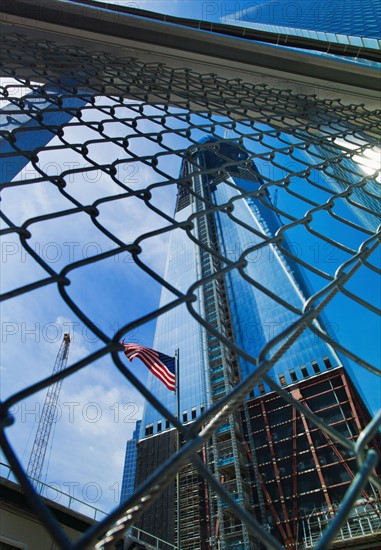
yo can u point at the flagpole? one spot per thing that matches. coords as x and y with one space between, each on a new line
178 445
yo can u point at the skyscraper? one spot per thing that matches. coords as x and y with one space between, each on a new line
237 301
249 302
129 469
344 21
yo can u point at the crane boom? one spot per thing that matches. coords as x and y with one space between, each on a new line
49 411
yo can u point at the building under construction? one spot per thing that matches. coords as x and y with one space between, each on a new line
302 474
267 456
295 475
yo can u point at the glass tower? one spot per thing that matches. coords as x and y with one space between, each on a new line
129 470
251 303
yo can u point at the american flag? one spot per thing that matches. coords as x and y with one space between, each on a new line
161 365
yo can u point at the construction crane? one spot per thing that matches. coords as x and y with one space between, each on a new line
37 456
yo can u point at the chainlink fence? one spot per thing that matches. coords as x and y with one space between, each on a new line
107 116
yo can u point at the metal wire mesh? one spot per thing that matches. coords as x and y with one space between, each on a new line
107 99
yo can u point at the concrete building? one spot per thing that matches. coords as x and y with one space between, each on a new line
21 527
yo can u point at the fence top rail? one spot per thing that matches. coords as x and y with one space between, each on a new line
346 46
179 37
137 533
41 487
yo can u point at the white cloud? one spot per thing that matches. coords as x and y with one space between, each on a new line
85 449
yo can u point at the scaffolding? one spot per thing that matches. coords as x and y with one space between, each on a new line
226 449
303 472
361 530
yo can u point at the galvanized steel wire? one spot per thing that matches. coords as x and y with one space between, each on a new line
186 103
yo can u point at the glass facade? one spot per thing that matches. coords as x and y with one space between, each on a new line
350 22
336 18
177 329
256 316
28 129
129 470
364 200
358 18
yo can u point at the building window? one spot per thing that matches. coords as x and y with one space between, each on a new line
315 366
194 413
167 424
282 380
159 426
327 363
185 416
202 409
261 388
293 376
304 371
149 429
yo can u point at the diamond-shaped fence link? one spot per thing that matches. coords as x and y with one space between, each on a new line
102 116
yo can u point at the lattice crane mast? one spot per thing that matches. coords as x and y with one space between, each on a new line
49 411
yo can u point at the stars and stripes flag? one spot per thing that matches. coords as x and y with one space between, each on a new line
161 365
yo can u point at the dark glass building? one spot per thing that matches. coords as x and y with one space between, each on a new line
129 470
265 454
352 22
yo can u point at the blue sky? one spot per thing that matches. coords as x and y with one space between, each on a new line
98 407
